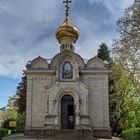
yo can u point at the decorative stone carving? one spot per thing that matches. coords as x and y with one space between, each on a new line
57 59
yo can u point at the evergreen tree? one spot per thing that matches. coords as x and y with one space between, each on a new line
104 53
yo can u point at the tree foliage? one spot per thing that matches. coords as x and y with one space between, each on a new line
104 53
124 100
125 75
127 47
11 109
20 122
123 96
16 107
10 113
20 102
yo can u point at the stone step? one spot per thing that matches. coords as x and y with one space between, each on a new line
70 136
51 132
63 136
67 131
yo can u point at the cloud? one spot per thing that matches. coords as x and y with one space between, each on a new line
115 7
27 29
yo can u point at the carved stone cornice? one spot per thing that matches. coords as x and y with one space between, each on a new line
39 71
88 71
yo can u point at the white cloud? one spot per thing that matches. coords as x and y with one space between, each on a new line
115 6
30 9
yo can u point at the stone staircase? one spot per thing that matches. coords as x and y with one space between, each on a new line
66 131
64 136
55 132
70 136
51 132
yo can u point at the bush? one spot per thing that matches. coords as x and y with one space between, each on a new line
20 122
3 132
131 134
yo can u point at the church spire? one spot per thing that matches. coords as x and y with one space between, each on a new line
67 34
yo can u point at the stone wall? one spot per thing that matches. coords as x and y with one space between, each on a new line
36 99
98 99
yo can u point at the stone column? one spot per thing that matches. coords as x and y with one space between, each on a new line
57 114
77 116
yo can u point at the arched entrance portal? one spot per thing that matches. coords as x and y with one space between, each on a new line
67 112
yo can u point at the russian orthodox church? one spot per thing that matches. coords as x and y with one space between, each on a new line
67 93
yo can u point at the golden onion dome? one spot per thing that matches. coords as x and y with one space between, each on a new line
67 32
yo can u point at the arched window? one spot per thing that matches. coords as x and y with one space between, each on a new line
67 71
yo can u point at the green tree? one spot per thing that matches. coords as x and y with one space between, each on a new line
127 47
20 122
104 53
10 112
124 100
11 109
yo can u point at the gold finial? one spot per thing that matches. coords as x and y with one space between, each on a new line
67 7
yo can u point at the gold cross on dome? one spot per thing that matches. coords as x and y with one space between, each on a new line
67 2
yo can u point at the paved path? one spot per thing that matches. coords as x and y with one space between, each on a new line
66 136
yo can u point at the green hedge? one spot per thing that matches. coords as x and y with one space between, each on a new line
131 134
3 132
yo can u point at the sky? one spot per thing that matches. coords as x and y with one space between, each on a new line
27 30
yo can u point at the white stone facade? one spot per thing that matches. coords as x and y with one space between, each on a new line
88 87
